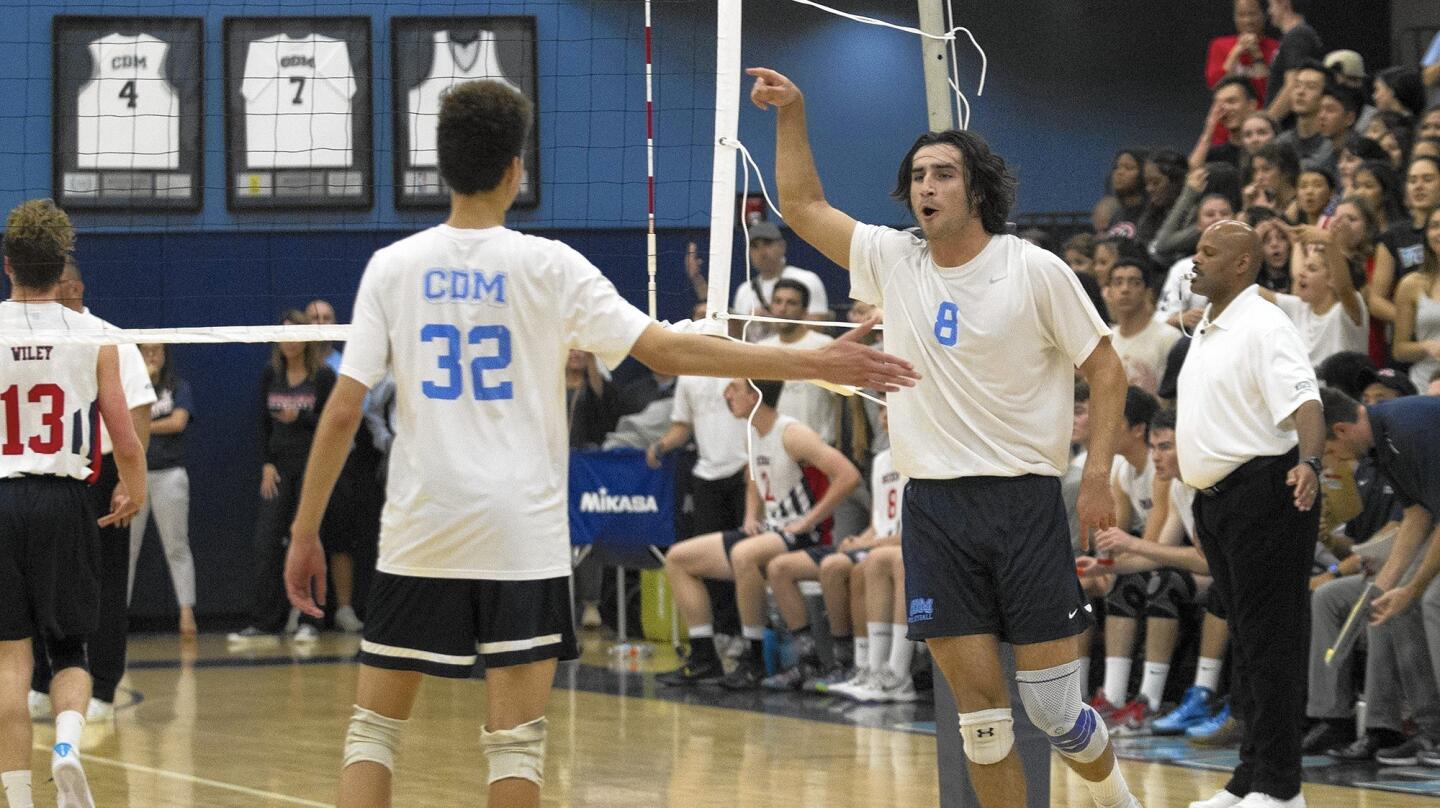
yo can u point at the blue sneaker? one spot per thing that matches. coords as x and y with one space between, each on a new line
1193 709
1220 730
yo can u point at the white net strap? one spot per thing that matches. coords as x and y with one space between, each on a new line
202 335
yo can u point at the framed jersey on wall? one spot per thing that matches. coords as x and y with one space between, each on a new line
430 54
127 112
297 112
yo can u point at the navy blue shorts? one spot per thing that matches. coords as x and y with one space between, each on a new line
440 626
49 558
990 555
793 541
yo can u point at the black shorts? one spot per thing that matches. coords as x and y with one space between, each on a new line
817 554
49 558
440 626
801 541
990 555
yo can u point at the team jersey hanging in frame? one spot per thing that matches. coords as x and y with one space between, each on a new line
431 54
297 112
128 112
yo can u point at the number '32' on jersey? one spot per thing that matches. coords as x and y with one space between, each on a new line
476 326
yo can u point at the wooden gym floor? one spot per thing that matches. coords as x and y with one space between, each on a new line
206 725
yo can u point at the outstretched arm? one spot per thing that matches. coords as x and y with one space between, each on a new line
802 198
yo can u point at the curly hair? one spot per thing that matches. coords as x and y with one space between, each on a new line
38 237
988 179
483 126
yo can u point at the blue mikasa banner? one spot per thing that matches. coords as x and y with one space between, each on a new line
619 501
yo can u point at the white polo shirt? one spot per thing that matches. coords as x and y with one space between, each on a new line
996 342
1245 375
719 435
746 303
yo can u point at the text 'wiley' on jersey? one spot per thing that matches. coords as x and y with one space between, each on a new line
446 285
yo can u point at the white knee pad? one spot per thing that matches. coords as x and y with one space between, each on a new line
373 737
516 753
1052 700
988 734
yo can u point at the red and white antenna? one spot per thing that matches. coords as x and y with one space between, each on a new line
650 250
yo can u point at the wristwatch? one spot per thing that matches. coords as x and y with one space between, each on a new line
1314 463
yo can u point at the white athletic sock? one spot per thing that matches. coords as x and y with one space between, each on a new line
1152 684
68 726
17 789
901 652
862 652
880 640
1112 791
701 631
1085 678
1117 678
752 632
1207 673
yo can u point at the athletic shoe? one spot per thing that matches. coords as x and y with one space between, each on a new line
1406 754
885 688
346 621
1130 719
73 791
39 704
1194 708
247 634
822 680
791 678
1430 758
1222 799
1102 705
306 634
846 689
1257 800
1362 749
1222 729
98 710
747 675
693 672
1327 735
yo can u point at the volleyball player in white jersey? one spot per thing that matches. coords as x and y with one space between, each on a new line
475 321
48 452
998 327
782 515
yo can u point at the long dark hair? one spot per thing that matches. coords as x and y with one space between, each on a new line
165 376
1392 202
987 178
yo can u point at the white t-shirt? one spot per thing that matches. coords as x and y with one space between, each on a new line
52 389
745 303
451 63
134 379
1137 484
1245 375
476 326
996 342
129 115
778 477
719 435
887 495
810 404
1328 333
297 102
1182 500
1176 296
1144 354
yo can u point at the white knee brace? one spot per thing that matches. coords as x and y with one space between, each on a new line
373 737
988 734
516 753
1052 700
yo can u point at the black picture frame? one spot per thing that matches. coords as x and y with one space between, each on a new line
413 51
288 170
96 162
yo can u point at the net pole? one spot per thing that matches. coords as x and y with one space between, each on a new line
651 253
722 181
939 98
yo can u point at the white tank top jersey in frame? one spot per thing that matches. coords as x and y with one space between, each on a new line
298 93
778 477
1137 486
996 343
128 113
887 495
454 61
476 326
47 395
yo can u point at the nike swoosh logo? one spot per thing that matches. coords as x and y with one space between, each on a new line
998 279
1073 613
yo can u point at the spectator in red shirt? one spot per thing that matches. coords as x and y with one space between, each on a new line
1246 53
